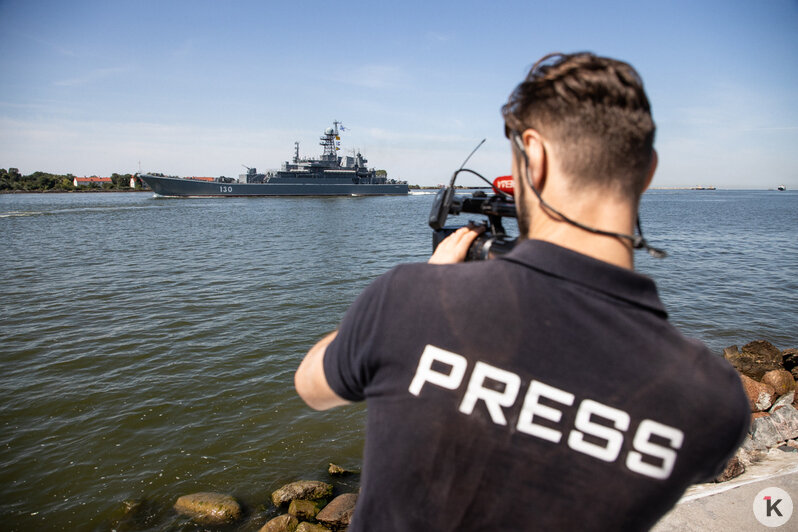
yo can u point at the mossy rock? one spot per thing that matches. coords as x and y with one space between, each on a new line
207 508
308 527
283 523
339 512
309 490
336 470
302 509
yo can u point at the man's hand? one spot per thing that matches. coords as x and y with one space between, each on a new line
454 247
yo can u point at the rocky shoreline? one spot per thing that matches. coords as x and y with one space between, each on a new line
300 506
309 506
769 379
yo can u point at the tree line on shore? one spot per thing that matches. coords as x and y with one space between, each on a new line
11 180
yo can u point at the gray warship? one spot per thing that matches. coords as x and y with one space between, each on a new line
328 175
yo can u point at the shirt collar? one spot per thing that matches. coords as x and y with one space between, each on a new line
614 281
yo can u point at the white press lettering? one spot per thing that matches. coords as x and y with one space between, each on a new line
642 444
494 399
583 424
532 408
425 373
598 431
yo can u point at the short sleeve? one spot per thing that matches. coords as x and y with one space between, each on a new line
348 359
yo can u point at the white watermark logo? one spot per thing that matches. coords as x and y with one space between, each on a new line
772 507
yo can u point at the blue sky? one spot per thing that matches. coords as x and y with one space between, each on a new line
202 87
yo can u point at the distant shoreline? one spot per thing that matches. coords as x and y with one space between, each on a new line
683 188
77 191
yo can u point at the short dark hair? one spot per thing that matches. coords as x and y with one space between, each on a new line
595 111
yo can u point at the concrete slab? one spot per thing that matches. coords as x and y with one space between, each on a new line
728 506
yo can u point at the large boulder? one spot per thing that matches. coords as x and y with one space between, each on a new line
781 425
339 512
302 509
786 421
751 451
207 508
763 350
784 400
308 527
781 380
310 490
760 396
764 432
734 469
283 523
790 359
755 358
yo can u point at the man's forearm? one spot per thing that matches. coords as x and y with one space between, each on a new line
311 382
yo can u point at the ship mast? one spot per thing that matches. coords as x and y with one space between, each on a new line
328 142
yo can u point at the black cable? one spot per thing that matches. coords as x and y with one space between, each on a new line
638 242
486 180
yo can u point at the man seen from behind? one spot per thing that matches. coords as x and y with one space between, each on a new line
545 389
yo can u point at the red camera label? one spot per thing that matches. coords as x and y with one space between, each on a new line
505 184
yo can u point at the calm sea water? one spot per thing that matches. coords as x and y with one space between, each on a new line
148 345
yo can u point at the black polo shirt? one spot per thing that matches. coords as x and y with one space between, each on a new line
544 390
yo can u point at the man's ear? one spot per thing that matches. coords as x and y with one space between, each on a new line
651 169
536 157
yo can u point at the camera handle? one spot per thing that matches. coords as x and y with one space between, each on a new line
440 209
496 226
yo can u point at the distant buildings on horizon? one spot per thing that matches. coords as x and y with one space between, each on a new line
88 181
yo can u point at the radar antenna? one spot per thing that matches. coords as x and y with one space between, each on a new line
329 141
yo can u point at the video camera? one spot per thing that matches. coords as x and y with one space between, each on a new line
494 241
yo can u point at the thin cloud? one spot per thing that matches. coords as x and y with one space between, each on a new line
770 128
415 137
55 47
97 147
91 77
725 108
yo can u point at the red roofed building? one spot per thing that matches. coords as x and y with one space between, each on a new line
86 181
